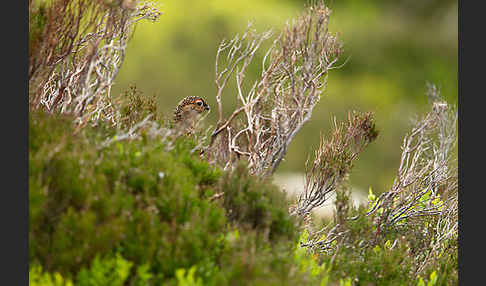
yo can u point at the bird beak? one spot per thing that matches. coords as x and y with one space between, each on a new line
207 107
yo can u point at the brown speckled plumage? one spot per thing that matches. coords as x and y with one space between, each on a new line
188 109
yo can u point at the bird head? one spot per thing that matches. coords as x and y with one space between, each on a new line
190 108
199 104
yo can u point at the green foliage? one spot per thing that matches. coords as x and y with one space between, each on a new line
109 271
143 275
248 206
393 256
345 282
135 107
372 201
131 197
187 280
251 260
309 263
373 265
432 280
423 202
39 278
136 212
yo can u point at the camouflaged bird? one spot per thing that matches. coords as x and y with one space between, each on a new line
188 112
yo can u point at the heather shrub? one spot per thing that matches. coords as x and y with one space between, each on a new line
404 235
111 270
76 49
150 205
135 106
250 207
130 197
389 261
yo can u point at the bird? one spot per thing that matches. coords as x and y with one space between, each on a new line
189 111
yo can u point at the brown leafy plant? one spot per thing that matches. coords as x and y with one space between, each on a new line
334 159
281 100
75 52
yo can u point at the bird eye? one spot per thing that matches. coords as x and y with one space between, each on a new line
199 103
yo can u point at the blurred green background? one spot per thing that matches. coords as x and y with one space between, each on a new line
394 48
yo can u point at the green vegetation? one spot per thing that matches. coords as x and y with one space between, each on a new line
136 213
386 263
136 205
119 196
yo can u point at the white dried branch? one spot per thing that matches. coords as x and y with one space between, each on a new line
79 83
281 100
428 169
130 134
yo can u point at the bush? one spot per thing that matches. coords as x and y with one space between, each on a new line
131 197
254 203
139 203
390 260
112 271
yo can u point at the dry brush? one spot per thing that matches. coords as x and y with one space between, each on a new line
269 114
76 49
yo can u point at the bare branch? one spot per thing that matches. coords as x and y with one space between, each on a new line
426 181
74 64
278 103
